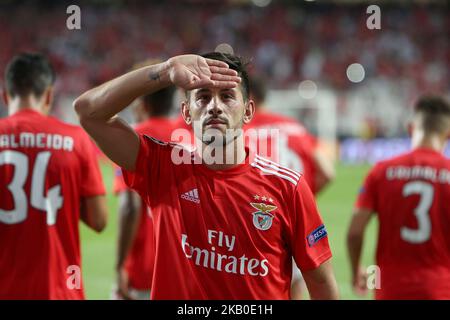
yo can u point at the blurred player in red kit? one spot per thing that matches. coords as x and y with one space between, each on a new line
49 180
294 147
226 226
410 196
135 256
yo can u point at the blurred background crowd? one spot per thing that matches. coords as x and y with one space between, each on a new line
286 42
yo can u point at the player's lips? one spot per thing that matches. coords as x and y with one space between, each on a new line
215 122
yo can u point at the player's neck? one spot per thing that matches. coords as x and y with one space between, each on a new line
224 157
19 104
430 141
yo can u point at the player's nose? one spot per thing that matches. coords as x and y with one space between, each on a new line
215 106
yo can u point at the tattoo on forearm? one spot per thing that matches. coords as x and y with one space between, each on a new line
154 76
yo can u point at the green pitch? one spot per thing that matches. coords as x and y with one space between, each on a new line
98 250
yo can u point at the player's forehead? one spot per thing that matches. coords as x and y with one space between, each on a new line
199 91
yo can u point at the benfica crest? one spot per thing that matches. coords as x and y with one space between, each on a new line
262 219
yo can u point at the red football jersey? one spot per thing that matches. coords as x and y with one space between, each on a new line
140 261
293 146
46 167
226 234
410 195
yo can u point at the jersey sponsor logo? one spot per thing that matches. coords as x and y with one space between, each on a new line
316 235
262 219
222 256
191 196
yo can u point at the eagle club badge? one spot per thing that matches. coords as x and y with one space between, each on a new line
262 219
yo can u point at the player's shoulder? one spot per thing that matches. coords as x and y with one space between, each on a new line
408 158
268 117
415 157
149 139
159 127
275 172
66 128
4 122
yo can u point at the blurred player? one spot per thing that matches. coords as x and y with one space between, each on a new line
410 195
226 226
136 243
49 179
297 150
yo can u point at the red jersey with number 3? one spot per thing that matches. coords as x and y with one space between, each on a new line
293 145
46 167
226 234
411 196
140 260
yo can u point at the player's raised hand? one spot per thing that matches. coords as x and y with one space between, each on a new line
192 72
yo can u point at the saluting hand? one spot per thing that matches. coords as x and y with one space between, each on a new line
193 71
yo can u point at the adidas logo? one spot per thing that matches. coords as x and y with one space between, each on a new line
191 196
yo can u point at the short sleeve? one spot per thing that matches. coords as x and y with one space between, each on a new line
367 193
309 238
92 181
152 166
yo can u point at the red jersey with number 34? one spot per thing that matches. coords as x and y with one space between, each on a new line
46 167
411 196
226 234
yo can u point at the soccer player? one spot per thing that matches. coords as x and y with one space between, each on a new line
410 196
49 179
295 148
226 226
135 256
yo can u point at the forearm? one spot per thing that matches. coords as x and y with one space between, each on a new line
129 217
354 247
323 291
94 213
321 282
105 101
97 108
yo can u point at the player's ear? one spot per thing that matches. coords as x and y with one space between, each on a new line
249 111
186 112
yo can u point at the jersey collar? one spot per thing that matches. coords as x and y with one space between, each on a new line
236 170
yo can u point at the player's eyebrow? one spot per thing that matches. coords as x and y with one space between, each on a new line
202 90
228 90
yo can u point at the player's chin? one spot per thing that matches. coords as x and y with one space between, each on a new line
222 127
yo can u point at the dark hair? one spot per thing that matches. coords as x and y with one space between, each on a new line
28 73
236 63
435 112
159 103
258 89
